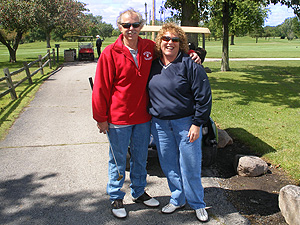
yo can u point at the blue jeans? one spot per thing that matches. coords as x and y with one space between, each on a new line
180 160
137 137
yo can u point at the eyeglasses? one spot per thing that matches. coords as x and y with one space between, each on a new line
167 39
128 25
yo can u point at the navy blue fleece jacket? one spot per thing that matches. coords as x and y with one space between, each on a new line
179 89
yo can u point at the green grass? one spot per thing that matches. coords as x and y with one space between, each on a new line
257 102
245 47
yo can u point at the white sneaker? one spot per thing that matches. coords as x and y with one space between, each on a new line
170 208
117 209
202 215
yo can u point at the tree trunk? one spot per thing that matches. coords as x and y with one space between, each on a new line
225 46
187 8
48 37
12 55
12 49
232 40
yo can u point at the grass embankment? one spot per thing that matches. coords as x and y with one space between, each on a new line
257 102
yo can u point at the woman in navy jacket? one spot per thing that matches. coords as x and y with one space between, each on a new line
180 103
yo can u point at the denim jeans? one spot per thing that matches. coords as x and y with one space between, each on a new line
137 137
180 160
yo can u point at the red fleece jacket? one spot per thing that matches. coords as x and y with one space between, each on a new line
119 93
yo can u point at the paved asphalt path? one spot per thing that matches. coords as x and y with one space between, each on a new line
53 165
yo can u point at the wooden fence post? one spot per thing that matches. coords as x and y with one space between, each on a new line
41 64
49 57
53 53
10 84
27 72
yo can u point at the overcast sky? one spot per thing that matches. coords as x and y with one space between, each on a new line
110 9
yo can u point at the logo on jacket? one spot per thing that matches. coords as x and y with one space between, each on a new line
147 55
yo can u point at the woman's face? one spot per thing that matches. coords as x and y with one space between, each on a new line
170 45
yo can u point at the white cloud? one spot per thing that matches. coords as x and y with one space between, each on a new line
278 14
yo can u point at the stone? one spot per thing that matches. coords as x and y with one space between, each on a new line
289 204
224 139
250 166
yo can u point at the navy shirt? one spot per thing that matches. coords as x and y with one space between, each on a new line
179 89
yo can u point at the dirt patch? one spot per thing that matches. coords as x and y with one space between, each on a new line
256 198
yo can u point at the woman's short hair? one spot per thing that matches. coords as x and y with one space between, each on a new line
176 30
130 11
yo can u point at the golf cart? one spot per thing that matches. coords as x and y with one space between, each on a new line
85 48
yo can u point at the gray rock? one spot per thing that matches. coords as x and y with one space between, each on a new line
250 166
289 204
224 139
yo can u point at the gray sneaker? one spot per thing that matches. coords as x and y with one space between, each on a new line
202 215
170 208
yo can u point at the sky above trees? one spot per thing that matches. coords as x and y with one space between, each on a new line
110 9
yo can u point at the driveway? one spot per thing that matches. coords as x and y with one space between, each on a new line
53 165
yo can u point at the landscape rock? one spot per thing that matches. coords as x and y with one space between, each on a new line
289 204
249 166
224 139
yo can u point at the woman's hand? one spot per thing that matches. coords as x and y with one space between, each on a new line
194 133
103 127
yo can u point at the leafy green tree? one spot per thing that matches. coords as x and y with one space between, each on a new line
270 31
290 28
35 34
189 12
61 14
257 33
296 26
116 32
194 9
246 17
105 30
16 18
93 25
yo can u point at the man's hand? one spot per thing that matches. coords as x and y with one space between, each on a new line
195 57
194 133
103 127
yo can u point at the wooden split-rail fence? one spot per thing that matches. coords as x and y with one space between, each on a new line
42 61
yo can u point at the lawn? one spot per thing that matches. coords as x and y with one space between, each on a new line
257 102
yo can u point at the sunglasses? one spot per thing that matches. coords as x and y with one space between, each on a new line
128 25
167 39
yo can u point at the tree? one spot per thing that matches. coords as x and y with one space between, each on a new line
97 26
225 7
16 18
189 12
290 28
231 5
247 18
270 31
62 14
296 26
257 33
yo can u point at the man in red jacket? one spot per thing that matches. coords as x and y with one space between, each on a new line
120 108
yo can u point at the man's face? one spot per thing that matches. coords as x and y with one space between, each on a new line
130 33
